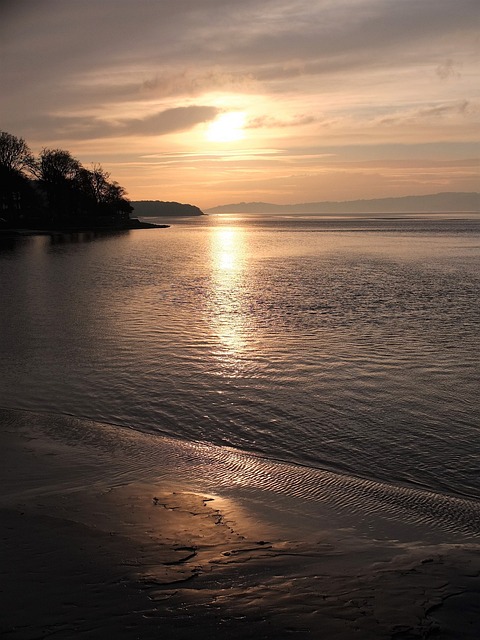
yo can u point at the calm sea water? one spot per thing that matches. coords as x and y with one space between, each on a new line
345 345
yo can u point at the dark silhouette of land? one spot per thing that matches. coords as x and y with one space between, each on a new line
154 208
448 202
55 192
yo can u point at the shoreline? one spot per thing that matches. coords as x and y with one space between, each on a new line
134 223
101 536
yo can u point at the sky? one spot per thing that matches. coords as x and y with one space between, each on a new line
221 101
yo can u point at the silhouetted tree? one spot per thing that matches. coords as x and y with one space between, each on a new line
106 198
56 166
17 197
113 198
64 193
15 154
58 174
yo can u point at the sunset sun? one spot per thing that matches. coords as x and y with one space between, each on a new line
228 127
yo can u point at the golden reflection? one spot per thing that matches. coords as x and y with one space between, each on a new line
226 250
228 255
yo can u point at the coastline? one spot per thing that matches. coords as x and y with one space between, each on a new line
133 223
102 536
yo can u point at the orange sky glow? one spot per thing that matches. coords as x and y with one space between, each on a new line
213 102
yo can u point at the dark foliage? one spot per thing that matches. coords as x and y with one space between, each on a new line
55 190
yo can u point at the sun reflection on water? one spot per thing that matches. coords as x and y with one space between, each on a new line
226 249
228 320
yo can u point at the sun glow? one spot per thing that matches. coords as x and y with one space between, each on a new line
228 127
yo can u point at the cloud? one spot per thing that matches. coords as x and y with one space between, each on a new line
458 108
271 122
444 110
170 120
214 43
157 124
447 69
110 77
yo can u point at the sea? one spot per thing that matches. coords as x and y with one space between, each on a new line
316 355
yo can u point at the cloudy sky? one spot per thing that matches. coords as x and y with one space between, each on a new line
218 101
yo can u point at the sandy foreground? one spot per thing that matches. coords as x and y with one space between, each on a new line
100 539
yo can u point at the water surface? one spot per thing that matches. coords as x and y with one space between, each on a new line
346 345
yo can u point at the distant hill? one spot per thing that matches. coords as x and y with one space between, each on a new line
154 208
447 202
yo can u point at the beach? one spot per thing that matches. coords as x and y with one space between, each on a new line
97 541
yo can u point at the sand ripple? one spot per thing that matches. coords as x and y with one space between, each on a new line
130 455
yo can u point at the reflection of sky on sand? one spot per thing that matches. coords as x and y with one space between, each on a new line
228 321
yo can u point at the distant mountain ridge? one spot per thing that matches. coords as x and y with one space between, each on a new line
153 208
446 202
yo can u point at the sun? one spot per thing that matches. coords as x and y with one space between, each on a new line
228 127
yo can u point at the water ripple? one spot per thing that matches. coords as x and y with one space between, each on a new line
132 455
348 346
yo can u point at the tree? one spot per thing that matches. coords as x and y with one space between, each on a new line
115 200
15 154
58 172
17 198
56 166
107 198
63 194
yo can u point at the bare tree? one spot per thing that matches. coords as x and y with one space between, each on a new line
108 197
15 154
99 182
56 166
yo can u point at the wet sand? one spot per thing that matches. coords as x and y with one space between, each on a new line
98 542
